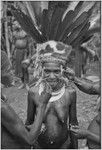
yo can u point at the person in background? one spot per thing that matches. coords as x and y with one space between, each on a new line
14 134
21 50
7 78
93 133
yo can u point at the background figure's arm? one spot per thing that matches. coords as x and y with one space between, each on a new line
93 137
87 86
15 126
73 119
31 110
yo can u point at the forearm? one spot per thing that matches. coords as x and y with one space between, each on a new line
36 126
15 126
72 110
94 137
74 141
85 86
31 110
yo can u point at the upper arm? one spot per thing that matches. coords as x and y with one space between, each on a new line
88 86
72 108
97 88
8 115
15 126
73 118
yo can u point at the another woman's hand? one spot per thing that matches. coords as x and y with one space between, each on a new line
79 132
69 73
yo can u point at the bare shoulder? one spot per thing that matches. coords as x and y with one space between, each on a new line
71 90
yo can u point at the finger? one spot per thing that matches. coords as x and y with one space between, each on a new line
74 131
75 127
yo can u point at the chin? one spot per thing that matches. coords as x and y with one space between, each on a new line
53 84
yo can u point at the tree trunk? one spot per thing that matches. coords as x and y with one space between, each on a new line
6 32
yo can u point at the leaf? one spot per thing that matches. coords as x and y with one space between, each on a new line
86 38
95 20
5 63
89 34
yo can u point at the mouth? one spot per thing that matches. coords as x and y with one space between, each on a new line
52 81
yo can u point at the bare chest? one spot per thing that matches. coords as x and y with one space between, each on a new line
58 108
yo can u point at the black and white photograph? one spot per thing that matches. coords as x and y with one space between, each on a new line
50 74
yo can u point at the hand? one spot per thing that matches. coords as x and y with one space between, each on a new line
45 94
3 97
28 127
43 97
25 63
78 132
69 73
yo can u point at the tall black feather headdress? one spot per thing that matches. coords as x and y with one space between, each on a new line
69 25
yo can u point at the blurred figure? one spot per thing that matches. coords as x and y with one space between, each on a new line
14 134
93 133
21 50
6 72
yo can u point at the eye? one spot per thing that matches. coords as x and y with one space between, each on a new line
47 71
57 71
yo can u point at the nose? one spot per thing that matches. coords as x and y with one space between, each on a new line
52 75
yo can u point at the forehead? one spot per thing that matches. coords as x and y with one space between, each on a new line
52 66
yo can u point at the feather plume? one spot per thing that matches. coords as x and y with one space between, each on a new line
67 24
45 23
55 20
27 24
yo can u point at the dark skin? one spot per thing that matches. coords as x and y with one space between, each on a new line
14 134
92 134
88 87
54 133
84 85
21 42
